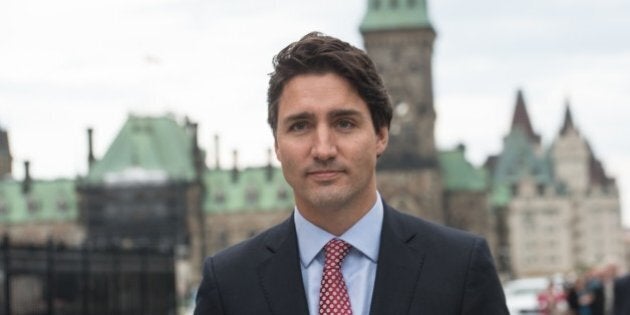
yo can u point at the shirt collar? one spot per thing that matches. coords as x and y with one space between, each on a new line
364 235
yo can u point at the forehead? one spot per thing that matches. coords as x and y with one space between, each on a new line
319 93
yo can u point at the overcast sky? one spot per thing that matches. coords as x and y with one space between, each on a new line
66 65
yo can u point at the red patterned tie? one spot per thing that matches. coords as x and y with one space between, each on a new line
333 294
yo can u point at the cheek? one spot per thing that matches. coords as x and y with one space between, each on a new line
288 158
283 151
363 154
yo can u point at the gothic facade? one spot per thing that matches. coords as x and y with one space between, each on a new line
561 210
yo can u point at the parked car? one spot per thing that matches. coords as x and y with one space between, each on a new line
522 295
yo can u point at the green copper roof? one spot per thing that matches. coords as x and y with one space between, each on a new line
45 202
459 174
518 159
500 195
395 14
147 149
251 190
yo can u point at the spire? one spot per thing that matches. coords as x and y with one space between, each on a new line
568 120
521 119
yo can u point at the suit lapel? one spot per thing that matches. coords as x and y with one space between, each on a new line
280 274
399 267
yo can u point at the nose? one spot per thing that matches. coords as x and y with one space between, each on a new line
324 146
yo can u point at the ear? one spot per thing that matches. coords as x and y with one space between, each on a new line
275 147
382 138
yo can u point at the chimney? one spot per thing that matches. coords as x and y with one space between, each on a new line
235 168
5 154
461 147
196 152
269 165
216 151
91 158
26 184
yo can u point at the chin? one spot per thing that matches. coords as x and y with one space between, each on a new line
329 198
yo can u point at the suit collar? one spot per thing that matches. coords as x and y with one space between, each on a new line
399 266
280 275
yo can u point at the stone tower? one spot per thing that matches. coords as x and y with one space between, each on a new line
399 38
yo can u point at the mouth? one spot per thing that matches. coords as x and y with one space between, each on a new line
324 175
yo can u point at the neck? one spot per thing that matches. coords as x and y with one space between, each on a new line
336 220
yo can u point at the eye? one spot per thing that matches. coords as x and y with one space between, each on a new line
345 124
298 126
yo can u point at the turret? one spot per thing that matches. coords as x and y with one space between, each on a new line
399 38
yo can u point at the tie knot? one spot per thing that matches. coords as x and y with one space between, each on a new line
336 250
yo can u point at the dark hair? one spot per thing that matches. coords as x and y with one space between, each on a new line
318 53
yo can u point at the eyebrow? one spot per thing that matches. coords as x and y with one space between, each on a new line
299 116
332 115
343 113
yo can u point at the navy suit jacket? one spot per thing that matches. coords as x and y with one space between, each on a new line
422 268
622 295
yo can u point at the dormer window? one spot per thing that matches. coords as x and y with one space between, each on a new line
219 197
4 209
251 195
62 205
32 205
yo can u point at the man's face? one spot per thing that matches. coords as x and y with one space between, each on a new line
327 144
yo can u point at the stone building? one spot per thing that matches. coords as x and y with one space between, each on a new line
142 191
36 211
465 195
399 37
561 210
148 191
243 202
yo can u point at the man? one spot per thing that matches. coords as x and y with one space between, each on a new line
622 295
343 251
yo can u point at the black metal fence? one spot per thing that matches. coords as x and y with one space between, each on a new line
54 279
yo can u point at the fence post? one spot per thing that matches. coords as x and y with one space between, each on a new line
143 280
116 278
50 265
173 260
6 259
85 308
